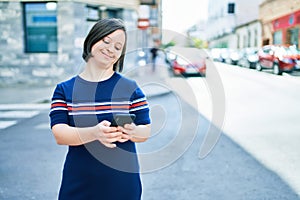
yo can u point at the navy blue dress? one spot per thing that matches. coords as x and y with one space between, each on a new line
93 171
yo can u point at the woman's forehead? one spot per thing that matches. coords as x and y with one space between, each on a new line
117 34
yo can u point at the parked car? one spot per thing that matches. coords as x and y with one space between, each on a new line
186 60
295 53
248 58
234 56
225 55
215 54
276 57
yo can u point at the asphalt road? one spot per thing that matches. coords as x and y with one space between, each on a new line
227 172
31 161
262 112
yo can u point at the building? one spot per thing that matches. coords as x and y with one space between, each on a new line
225 16
249 34
44 39
280 22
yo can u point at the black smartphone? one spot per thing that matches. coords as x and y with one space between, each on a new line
122 119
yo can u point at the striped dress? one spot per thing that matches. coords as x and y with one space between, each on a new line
93 171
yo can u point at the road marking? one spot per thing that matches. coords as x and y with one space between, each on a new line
37 106
10 114
5 124
42 126
18 114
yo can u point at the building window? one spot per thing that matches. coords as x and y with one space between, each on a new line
255 38
92 13
231 8
40 25
114 13
148 2
277 37
292 36
249 39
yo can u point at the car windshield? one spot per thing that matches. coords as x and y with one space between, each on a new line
171 56
282 51
182 61
251 51
286 51
292 50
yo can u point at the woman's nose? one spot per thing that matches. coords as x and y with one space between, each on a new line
110 48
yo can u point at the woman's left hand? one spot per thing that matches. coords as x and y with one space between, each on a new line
135 133
127 131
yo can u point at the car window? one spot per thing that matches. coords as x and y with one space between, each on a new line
267 50
181 61
171 56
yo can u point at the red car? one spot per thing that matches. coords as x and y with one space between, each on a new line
186 61
278 58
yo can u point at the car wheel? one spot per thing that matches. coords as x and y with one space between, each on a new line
276 69
247 65
252 65
258 66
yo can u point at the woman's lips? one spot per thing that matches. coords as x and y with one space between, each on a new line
107 55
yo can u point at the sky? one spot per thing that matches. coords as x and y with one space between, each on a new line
179 15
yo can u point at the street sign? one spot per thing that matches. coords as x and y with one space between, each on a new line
143 23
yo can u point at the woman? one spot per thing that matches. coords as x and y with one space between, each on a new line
101 162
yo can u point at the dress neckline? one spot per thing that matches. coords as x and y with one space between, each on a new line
78 77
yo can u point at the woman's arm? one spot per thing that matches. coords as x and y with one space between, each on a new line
137 133
73 136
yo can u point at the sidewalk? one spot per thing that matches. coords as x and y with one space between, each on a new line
148 80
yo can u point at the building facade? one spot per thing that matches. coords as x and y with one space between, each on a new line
249 35
45 38
280 22
225 16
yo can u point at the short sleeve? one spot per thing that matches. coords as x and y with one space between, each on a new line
59 110
140 107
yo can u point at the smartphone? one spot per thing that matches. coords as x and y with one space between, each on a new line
122 119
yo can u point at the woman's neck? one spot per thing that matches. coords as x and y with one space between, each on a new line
96 74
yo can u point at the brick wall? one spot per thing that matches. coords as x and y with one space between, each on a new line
16 66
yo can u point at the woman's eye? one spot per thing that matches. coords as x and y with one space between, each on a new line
118 48
106 41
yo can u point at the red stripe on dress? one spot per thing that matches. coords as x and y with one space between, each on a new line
138 104
96 108
54 105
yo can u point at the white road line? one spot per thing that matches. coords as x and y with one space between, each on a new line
42 126
37 106
5 124
10 113
18 114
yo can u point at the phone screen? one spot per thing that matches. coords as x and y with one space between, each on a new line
122 119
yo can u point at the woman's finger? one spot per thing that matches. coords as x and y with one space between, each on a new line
109 145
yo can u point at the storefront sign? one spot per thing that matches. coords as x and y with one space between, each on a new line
143 23
287 21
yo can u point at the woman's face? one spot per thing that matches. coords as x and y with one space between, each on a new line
107 51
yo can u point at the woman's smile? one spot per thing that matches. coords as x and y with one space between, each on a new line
107 54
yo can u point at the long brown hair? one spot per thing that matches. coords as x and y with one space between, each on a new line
100 30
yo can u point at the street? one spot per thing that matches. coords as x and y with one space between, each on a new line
262 117
255 157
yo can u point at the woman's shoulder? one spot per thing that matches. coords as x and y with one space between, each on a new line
67 82
126 80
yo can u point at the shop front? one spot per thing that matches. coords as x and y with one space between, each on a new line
286 29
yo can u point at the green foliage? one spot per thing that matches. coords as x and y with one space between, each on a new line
169 44
198 43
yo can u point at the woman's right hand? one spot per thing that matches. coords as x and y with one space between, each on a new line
108 135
